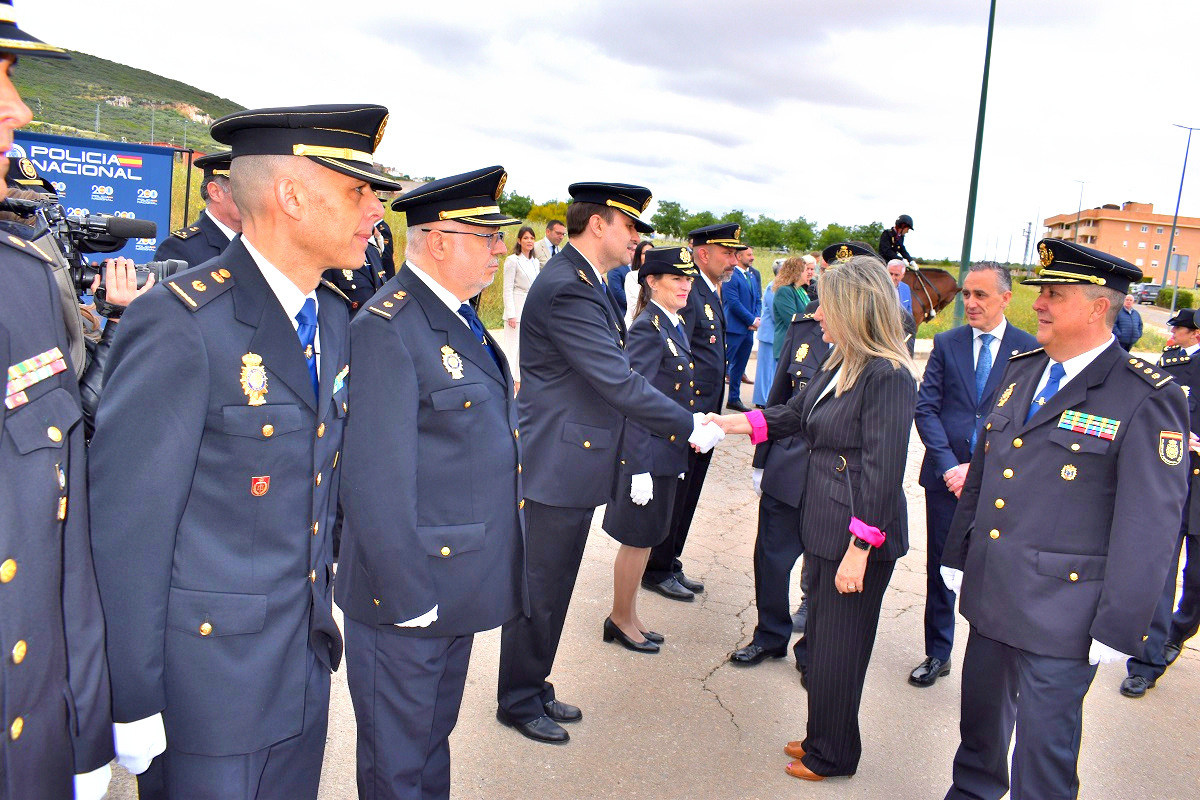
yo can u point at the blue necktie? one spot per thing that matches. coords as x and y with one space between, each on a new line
307 331
1057 373
468 313
983 368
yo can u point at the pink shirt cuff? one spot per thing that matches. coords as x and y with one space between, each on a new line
758 426
868 533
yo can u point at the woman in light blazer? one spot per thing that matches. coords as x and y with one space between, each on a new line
520 269
856 415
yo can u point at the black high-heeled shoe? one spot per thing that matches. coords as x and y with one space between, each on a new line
612 632
657 638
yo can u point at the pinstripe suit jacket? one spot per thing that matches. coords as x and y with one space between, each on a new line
868 427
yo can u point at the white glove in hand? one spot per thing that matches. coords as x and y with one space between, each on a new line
93 785
423 621
641 489
756 476
952 578
1100 653
705 435
139 742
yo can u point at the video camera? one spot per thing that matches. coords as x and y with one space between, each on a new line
94 233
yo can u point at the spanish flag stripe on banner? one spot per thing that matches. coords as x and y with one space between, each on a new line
129 161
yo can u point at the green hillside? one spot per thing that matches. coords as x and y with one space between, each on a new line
63 96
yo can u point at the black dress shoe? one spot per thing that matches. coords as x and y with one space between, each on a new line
803 670
1171 651
928 671
752 654
800 618
657 638
1136 686
736 405
612 632
670 588
542 729
562 712
688 583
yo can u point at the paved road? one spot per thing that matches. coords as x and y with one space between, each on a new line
687 724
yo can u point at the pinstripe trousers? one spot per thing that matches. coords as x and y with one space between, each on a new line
841 633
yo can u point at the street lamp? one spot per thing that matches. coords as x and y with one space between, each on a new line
1175 219
1079 210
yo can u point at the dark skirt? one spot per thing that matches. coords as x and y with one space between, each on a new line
641 526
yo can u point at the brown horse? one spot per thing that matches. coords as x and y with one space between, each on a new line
932 290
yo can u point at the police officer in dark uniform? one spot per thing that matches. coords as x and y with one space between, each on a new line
217 224
577 390
1166 637
891 243
715 248
357 286
56 720
1064 529
216 461
430 560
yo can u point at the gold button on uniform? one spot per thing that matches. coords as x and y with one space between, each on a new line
519 470
672 437
1075 446
376 601
316 526
55 436
999 502
445 551
318 479
521 504
586 443
312 576
268 430
987 427
8 570
995 534
516 433
19 650
205 628
1008 473
467 404
14 730
1017 442
321 430
1074 576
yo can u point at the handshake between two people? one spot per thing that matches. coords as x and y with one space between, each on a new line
711 428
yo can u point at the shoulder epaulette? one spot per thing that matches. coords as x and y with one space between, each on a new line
1148 373
1036 350
657 324
26 246
583 277
389 307
201 288
1165 360
186 233
331 286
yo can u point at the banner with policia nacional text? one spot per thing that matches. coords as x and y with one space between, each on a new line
93 176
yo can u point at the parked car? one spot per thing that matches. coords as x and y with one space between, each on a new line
1145 292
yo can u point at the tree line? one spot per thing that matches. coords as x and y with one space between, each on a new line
672 220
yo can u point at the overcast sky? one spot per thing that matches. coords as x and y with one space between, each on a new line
845 111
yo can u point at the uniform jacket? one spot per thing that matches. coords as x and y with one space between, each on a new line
227 496
1186 371
431 492
891 245
742 300
194 244
659 352
864 433
51 629
577 388
785 461
357 286
1064 536
947 411
704 321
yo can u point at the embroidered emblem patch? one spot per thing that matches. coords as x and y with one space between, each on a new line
1170 447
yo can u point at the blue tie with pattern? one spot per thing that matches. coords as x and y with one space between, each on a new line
307 331
468 313
983 368
1057 373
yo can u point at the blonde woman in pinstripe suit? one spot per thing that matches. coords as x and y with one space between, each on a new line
856 415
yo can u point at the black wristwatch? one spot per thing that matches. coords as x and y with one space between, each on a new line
861 544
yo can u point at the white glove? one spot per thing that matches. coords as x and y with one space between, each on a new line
1100 653
952 578
423 621
756 476
93 785
641 489
705 435
139 742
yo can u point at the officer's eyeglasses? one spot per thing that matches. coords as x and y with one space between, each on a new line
490 238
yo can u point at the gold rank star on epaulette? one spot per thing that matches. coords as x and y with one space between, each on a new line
186 233
389 307
195 289
1149 374
1026 353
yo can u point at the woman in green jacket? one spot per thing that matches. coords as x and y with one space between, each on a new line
790 296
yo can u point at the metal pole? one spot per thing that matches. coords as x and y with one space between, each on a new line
1079 210
187 189
1175 220
965 263
153 108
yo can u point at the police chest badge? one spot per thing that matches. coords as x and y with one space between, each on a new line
254 379
452 362
1170 447
260 485
802 352
1007 394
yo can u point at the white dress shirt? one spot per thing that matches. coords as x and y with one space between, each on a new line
439 291
229 232
1072 366
671 315
287 293
997 334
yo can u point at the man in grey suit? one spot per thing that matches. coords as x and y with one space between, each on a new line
1064 530
547 248
429 560
577 390
958 388
214 472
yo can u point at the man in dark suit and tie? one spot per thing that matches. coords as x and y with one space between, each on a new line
714 248
1062 537
428 561
215 466
958 389
577 390
218 223
742 299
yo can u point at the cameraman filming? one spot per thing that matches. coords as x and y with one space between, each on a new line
58 738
